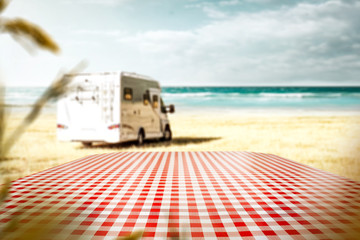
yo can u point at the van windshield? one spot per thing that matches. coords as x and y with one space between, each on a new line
163 108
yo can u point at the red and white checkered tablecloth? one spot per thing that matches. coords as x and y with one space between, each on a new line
212 195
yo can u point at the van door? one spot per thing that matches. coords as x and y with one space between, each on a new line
84 110
155 105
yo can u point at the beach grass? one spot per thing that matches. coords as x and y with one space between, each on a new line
330 142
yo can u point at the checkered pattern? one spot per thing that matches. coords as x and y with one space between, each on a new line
212 195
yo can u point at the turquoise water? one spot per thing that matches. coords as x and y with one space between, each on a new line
305 98
327 98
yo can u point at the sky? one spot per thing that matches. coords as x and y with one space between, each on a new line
192 42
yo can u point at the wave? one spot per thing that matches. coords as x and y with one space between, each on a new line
299 95
302 95
230 96
185 95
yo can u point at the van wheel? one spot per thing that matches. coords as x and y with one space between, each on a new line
87 144
140 138
167 135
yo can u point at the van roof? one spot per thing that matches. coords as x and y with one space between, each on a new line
123 73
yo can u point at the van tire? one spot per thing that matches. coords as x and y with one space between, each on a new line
140 138
87 144
167 134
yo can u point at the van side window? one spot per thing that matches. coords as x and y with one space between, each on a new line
146 99
155 102
128 94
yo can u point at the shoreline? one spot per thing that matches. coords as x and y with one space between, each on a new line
272 112
51 109
329 141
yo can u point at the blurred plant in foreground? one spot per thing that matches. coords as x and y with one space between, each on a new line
21 30
45 221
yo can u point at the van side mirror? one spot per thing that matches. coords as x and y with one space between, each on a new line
171 108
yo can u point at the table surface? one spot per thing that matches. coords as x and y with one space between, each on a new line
212 195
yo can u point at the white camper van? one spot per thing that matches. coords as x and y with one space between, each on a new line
112 108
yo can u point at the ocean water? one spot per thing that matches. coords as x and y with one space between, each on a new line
259 98
230 98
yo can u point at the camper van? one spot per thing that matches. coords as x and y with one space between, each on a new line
112 108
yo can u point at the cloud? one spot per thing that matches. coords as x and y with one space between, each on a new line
97 2
110 33
290 45
229 3
214 13
212 9
160 42
314 42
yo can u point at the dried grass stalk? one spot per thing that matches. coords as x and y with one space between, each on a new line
41 227
133 236
4 190
19 27
53 92
3 4
2 118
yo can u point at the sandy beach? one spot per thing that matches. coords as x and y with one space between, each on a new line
327 140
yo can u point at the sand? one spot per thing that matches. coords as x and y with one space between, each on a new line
327 141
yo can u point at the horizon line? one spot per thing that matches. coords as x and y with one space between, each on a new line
214 86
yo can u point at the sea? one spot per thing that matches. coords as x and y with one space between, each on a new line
188 99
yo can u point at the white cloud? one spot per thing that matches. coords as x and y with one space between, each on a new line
96 2
315 42
110 33
200 5
308 41
213 12
229 3
212 9
160 42
262 1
